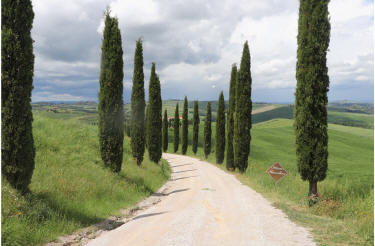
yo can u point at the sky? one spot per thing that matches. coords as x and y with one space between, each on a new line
194 44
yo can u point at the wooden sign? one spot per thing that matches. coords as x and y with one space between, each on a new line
276 171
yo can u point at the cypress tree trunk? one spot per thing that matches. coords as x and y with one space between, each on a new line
230 120
165 131
147 140
196 121
220 130
176 126
310 111
138 106
154 117
111 113
242 116
17 71
185 125
207 131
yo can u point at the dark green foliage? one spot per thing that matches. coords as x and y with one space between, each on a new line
230 120
17 70
110 107
165 131
154 117
242 115
185 125
176 126
207 131
147 139
220 130
310 111
196 121
138 106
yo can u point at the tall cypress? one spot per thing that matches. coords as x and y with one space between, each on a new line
207 131
17 71
165 131
154 117
310 112
196 121
110 108
185 125
242 115
220 130
230 120
176 128
138 106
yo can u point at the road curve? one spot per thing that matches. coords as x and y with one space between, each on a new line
203 205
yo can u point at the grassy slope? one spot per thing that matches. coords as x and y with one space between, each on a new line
70 188
352 119
344 215
342 118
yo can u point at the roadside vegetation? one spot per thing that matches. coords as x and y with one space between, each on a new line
70 187
344 215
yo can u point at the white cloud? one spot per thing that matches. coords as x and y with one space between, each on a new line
194 43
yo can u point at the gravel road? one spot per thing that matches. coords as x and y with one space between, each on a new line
203 205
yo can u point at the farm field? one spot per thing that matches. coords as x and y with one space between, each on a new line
70 187
344 216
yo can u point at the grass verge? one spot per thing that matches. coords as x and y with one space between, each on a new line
70 188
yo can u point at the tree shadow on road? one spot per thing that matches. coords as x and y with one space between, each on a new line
147 215
167 194
190 170
175 179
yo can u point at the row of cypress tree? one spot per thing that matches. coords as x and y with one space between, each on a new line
237 126
111 117
310 106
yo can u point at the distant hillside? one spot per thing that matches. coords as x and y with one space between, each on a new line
351 107
363 120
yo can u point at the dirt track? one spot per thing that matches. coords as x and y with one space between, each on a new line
203 205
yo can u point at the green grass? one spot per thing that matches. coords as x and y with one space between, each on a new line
70 187
344 215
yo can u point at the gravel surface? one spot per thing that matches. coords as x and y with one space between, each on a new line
203 205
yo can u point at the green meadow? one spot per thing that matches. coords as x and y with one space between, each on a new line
344 214
70 187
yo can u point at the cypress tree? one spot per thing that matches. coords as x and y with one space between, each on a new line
110 108
17 70
138 106
220 130
310 112
154 117
230 121
196 121
242 115
207 131
165 131
185 125
176 126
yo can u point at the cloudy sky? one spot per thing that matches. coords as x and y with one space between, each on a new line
194 44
